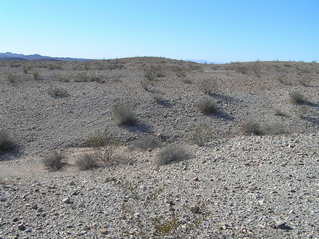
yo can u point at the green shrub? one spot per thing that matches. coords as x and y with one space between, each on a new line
207 106
124 115
54 161
7 143
99 139
171 154
297 98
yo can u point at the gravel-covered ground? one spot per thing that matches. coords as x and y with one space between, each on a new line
234 186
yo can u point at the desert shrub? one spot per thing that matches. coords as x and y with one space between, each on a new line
26 68
35 75
283 79
180 72
146 84
207 106
171 154
7 143
147 142
81 77
11 77
297 98
250 127
187 81
151 72
124 115
208 87
99 139
57 92
53 161
201 135
87 161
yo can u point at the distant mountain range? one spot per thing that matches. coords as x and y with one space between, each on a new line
36 57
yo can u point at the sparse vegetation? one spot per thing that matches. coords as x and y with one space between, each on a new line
57 92
7 143
297 98
252 128
35 75
25 68
87 161
147 143
172 154
124 115
11 77
201 135
54 161
208 87
207 106
100 139
151 72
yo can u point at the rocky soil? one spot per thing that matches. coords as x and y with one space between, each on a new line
234 186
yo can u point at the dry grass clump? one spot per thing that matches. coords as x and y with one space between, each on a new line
147 143
297 98
252 128
208 87
7 143
99 139
57 92
170 154
54 161
124 115
87 161
151 72
207 106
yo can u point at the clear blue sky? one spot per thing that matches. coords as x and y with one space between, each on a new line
214 30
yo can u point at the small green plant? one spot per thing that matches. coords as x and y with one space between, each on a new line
124 115
87 161
7 143
252 128
57 92
54 161
297 98
171 154
207 106
99 139
165 227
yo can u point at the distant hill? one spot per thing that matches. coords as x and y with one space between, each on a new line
36 57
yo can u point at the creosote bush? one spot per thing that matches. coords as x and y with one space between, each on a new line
170 154
7 143
208 87
207 106
124 115
297 98
54 161
99 139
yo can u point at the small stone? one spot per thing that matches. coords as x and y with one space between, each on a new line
67 200
22 227
195 209
196 179
104 231
34 206
15 219
283 226
72 183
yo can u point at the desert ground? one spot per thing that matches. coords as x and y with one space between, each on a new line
245 136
